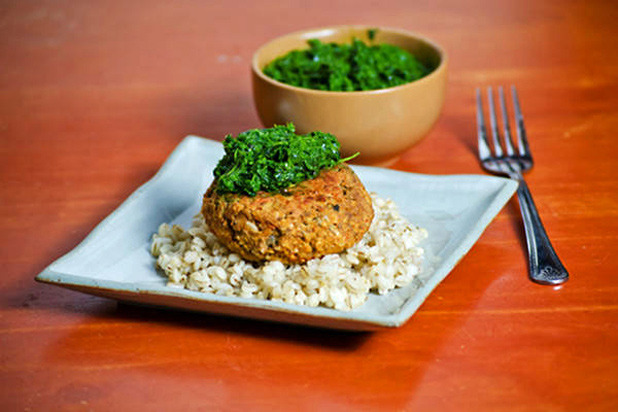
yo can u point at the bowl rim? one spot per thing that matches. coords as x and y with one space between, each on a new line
300 33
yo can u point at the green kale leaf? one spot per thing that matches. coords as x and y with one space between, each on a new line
346 67
274 159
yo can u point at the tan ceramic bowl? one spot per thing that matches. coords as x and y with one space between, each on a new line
379 124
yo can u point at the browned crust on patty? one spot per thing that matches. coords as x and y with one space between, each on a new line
317 217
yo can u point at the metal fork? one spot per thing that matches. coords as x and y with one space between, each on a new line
544 266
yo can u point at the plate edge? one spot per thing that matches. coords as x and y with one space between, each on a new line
501 198
163 170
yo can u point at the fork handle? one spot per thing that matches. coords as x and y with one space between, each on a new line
544 265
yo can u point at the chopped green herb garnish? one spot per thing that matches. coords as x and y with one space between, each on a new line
346 67
274 159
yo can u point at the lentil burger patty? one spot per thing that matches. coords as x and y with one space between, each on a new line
324 215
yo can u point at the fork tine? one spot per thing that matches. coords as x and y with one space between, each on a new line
483 146
508 140
493 121
522 141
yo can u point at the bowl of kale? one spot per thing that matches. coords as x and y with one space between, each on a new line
379 90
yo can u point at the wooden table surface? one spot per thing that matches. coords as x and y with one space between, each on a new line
95 95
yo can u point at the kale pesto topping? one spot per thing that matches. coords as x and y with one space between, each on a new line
346 67
274 159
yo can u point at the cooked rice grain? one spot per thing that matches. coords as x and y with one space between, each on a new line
387 257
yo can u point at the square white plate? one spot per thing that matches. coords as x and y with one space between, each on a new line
114 260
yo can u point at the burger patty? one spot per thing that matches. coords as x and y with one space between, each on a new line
324 215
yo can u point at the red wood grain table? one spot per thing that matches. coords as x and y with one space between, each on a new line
95 95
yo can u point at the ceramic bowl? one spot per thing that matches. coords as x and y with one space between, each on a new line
380 124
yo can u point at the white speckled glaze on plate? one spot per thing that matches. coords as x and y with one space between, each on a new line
114 260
